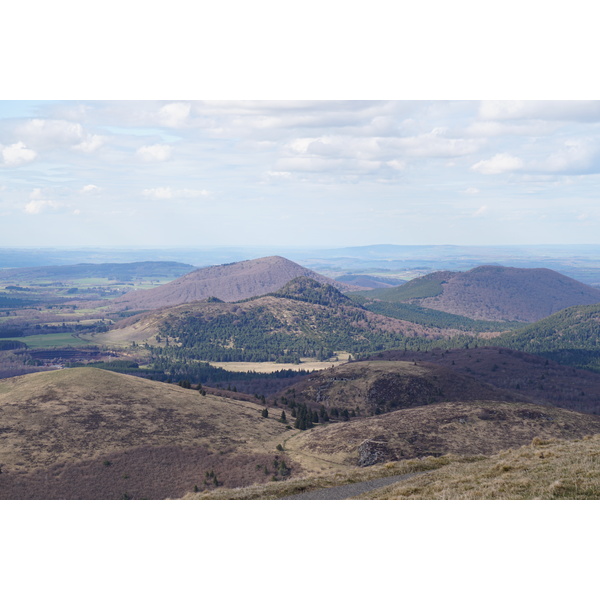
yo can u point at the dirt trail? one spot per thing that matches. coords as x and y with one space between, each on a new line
345 492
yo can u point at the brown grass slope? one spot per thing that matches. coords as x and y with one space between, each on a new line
90 433
542 470
461 428
543 381
230 283
333 478
509 294
374 387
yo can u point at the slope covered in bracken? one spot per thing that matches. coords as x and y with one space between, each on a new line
494 293
230 283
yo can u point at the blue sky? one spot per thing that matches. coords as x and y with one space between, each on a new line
315 173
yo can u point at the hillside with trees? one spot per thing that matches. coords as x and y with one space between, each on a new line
571 337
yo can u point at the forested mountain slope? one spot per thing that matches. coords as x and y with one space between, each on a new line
571 336
302 319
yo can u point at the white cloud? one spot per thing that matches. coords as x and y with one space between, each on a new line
499 128
37 206
174 114
275 120
16 154
53 133
36 194
472 191
435 144
480 211
156 152
398 165
88 189
185 193
279 174
164 193
576 156
500 163
309 164
90 144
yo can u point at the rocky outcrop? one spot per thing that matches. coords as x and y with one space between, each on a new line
371 452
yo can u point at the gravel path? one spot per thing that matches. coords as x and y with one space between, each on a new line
343 492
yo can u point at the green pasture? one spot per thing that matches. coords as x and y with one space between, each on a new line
51 340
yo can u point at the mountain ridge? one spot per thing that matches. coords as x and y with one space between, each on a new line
230 282
493 293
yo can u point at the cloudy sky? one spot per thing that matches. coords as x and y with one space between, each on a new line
306 173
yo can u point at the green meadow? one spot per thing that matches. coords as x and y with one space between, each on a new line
51 340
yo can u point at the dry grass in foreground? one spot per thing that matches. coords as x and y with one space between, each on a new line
280 489
543 470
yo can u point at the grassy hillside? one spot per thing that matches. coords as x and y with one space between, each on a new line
342 476
89 433
542 470
450 427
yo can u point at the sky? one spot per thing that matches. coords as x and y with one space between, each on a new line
298 173
139 131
